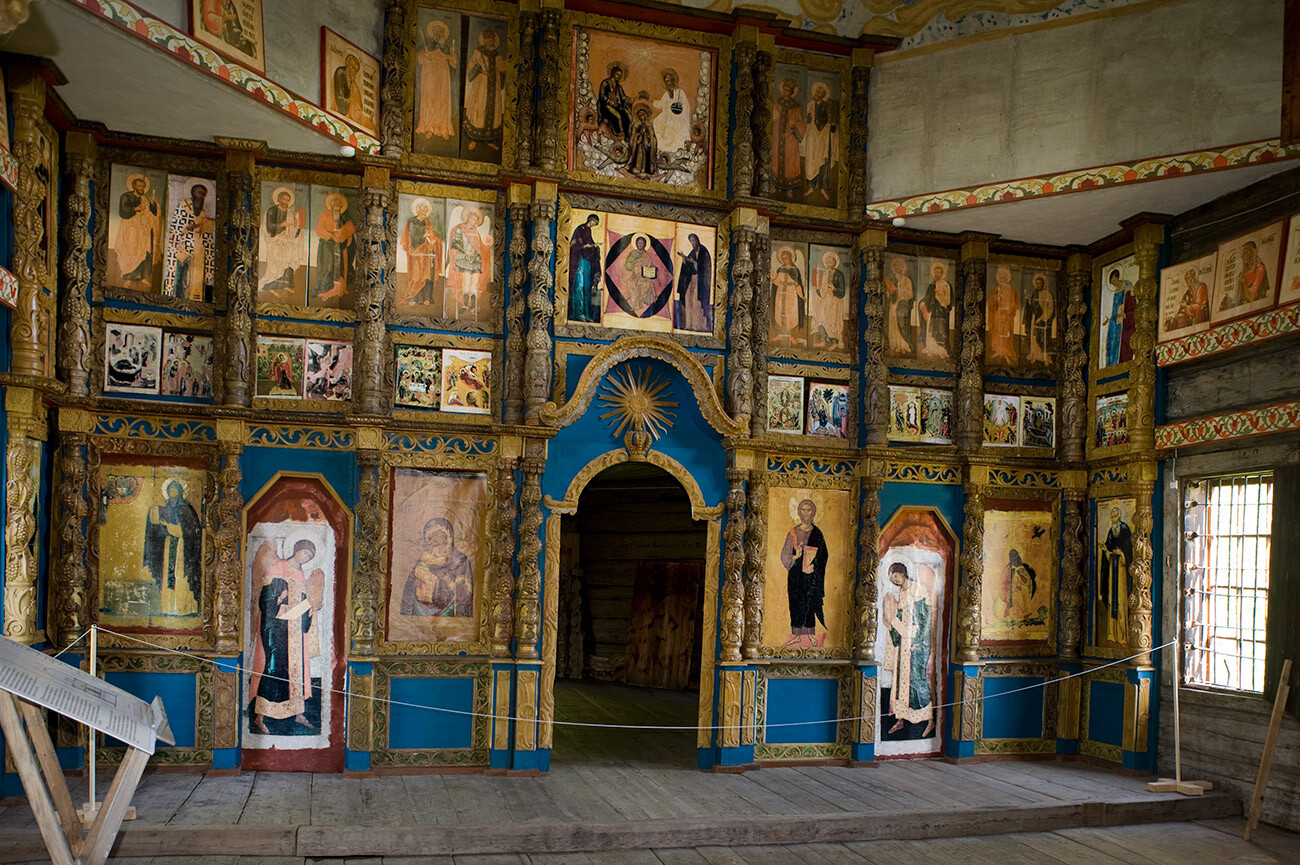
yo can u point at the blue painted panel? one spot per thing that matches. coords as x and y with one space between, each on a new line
177 691
947 499
1010 713
794 701
409 727
259 465
1106 712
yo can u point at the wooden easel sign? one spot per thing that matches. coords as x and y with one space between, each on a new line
30 681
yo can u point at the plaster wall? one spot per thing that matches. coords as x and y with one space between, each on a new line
1164 78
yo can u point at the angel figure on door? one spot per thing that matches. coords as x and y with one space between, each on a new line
286 620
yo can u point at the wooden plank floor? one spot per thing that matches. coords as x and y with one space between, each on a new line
1197 843
642 781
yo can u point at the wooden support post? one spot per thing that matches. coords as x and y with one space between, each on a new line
38 794
1176 784
1270 742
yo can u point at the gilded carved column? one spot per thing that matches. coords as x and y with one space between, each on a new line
971 577
528 603
1073 429
501 613
876 371
740 358
970 374
541 308
26 424
732 623
546 147
237 332
865 600
755 561
743 53
1073 564
760 313
228 575
27 103
369 348
365 594
69 606
392 94
858 117
74 308
525 83
1140 610
520 206
764 68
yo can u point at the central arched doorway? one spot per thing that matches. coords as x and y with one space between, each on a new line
631 624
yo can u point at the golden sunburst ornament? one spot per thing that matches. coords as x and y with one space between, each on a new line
634 400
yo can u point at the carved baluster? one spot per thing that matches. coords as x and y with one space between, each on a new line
1073 523
228 572
759 324
525 84
764 68
972 575
969 422
743 54
392 98
858 121
865 598
515 339
501 613
365 618
546 151
755 561
27 101
371 333
528 605
872 244
68 599
541 308
74 312
237 336
740 360
732 625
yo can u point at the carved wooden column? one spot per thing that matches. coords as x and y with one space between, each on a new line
365 594
971 577
520 205
74 308
1073 429
69 605
755 561
871 244
501 624
528 603
27 102
237 332
26 415
732 624
764 71
525 84
970 373
743 53
858 118
760 314
369 349
546 149
541 307
229 570
865 600
1073 564
740 358
1147 240
392 95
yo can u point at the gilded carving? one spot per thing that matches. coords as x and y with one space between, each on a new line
74 312
858 180
515 342
20 532
546 147
1073 416
528 614
228 531
969 420
237 333
747 697
971 576
972 715
525 78
392 98
1073 563
550 633
365 616
361 705
225 707
526 711
764 70
755 562
1140 612
865 619
709 630
29 264
501 624
1147 240
732 691
760 310
479 672
68 598
369 348
537 361
743 55
205 723
740 360
873 339
733 564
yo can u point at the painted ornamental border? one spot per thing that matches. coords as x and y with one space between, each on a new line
1280 417
1234 334
186 49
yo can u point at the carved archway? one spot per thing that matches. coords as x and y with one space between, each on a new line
656 348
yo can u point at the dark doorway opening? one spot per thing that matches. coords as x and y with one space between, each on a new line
630 620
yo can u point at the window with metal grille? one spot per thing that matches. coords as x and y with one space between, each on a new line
1227 526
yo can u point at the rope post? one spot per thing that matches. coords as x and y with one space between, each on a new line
1176 784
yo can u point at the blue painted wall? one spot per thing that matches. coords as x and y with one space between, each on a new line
1012 713
409 727
798 701
178 691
